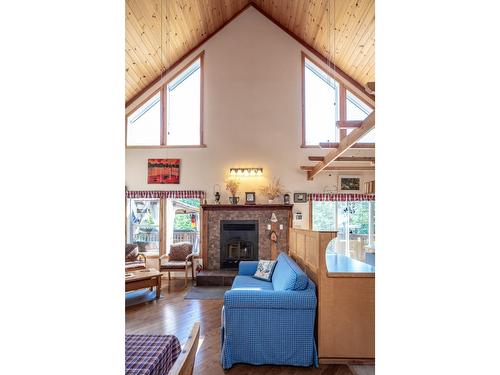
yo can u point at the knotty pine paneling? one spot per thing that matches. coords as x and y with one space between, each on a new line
159 32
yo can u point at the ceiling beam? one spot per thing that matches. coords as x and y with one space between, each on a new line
336 168
349 124
347 158
316 158
344 145
370 88
354 146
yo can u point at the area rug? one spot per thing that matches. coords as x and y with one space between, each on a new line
207 292
362 369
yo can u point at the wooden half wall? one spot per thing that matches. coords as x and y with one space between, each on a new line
346 301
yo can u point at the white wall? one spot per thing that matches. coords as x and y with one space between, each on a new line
252 116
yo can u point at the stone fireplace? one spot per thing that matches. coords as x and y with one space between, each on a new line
232 233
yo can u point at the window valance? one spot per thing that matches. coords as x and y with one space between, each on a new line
341 197
165 194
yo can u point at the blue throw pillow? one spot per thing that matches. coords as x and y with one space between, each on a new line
265 270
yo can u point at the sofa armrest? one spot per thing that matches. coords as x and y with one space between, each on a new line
271 299
247 267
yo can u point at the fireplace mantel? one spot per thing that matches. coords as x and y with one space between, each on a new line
228 207
213 214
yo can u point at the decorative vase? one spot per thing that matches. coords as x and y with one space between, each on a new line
234 200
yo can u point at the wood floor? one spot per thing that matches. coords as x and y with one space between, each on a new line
172 314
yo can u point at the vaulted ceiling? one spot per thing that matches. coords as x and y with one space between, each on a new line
188 23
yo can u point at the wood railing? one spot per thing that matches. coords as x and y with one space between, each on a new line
185 237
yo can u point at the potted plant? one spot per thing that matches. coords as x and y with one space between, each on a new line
273 190
232 186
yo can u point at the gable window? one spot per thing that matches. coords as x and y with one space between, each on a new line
183 107
144 125
172 117
320 98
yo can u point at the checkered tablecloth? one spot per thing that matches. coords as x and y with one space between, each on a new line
150 354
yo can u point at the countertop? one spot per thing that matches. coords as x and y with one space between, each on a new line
342 266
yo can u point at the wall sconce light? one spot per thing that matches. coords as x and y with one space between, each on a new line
246 172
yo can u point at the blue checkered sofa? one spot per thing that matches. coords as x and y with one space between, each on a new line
269 322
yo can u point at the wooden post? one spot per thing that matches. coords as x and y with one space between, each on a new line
163 227
204 237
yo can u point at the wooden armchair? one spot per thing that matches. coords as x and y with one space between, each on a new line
184 364
134 261
180 258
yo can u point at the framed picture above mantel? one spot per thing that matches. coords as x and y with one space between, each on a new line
250 198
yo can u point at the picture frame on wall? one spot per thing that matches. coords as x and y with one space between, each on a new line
250 197
300 197
349 184
164 171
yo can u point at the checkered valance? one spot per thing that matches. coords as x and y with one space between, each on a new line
165 194
341 197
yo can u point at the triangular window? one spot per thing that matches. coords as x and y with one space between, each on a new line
183 107
144 124
320 105
173 115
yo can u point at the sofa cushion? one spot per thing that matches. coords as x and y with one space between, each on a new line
287 275
179 251
265 270
131 252
250 283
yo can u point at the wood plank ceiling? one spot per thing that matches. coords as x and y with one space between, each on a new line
187 23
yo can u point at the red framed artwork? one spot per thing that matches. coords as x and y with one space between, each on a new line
164 171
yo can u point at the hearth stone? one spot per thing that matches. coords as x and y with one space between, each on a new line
215 278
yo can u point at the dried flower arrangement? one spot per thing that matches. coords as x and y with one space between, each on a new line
273 190
232 186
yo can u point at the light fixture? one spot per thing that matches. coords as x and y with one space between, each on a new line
246 172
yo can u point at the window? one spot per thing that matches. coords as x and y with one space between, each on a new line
173 116
321 96
183 107
353 221
356 110
144 125
180 222
143 225
184 216
320 109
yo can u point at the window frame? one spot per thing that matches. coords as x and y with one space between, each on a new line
372 232
342 105
162 243
162 89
